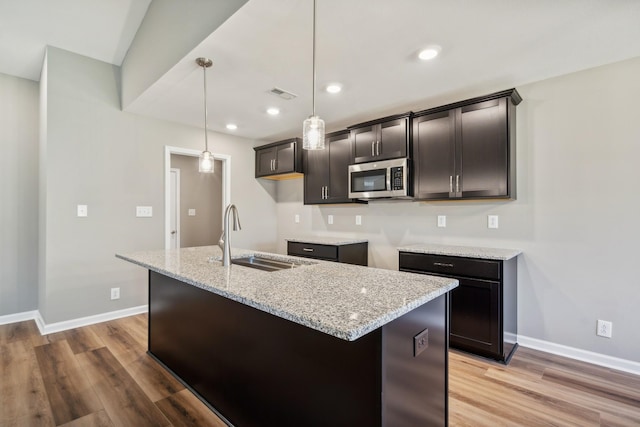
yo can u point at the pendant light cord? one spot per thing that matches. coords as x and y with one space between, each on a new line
313 93
206 141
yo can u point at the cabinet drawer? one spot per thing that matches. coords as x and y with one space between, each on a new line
450 265
313 250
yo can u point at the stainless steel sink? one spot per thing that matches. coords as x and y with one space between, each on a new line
265 264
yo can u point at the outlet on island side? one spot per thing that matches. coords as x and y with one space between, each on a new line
420 342
115 293
604 328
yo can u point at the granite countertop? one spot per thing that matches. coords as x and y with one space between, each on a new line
324 240
462 251
343 300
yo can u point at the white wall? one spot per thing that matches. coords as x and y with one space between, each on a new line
169 31
577 216
112 161
18 194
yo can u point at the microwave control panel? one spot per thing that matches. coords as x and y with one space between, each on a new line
397 179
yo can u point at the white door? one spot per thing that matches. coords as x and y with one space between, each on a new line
174 208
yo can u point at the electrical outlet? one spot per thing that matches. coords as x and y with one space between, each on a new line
296 219
144 211
358 219
492 221
83 210
442 221
191 212
115 293
420 342
604 328
330 219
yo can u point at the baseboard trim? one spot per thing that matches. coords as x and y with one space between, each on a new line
86 321
582 355
17 317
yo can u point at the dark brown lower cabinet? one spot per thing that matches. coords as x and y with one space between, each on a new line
256 369
350 253
483 308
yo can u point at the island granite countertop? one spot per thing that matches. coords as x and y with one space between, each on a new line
343 300
462 251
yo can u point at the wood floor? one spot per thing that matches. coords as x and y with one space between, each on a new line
100 375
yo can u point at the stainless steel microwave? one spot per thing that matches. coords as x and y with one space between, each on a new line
381 179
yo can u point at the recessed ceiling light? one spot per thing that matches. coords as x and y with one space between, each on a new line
273 111
232 126
334 88
429 53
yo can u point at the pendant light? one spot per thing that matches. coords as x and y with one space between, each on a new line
205 165
313 126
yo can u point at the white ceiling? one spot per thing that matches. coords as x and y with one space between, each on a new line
369 46
99 29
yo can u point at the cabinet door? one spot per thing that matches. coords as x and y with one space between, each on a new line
339 149
364 140
285 158
265 161
434 155
392 139
475 317
484 151
316 170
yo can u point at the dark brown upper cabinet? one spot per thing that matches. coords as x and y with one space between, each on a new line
381 139
326 174
466 150
279 160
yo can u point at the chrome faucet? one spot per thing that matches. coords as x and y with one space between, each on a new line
224 242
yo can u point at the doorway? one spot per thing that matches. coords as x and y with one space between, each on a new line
194 202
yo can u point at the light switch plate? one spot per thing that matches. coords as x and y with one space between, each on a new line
358 219
442 221
330 219
83 210
144 211
492 221
191 212
296 218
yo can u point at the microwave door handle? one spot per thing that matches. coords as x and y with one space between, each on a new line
388 179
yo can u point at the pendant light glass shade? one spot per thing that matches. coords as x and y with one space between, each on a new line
313 133
313 127
205 165
206 162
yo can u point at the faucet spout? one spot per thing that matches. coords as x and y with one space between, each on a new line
224 241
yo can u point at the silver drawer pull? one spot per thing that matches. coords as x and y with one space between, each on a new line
442 264
307 249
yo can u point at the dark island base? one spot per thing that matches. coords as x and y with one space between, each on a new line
257 369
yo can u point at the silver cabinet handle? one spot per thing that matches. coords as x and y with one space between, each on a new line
326 191
377 148
322 192
450 183
373 152
307 249
442 264
457 183
271 165
275 164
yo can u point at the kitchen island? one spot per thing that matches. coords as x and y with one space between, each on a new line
316 345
